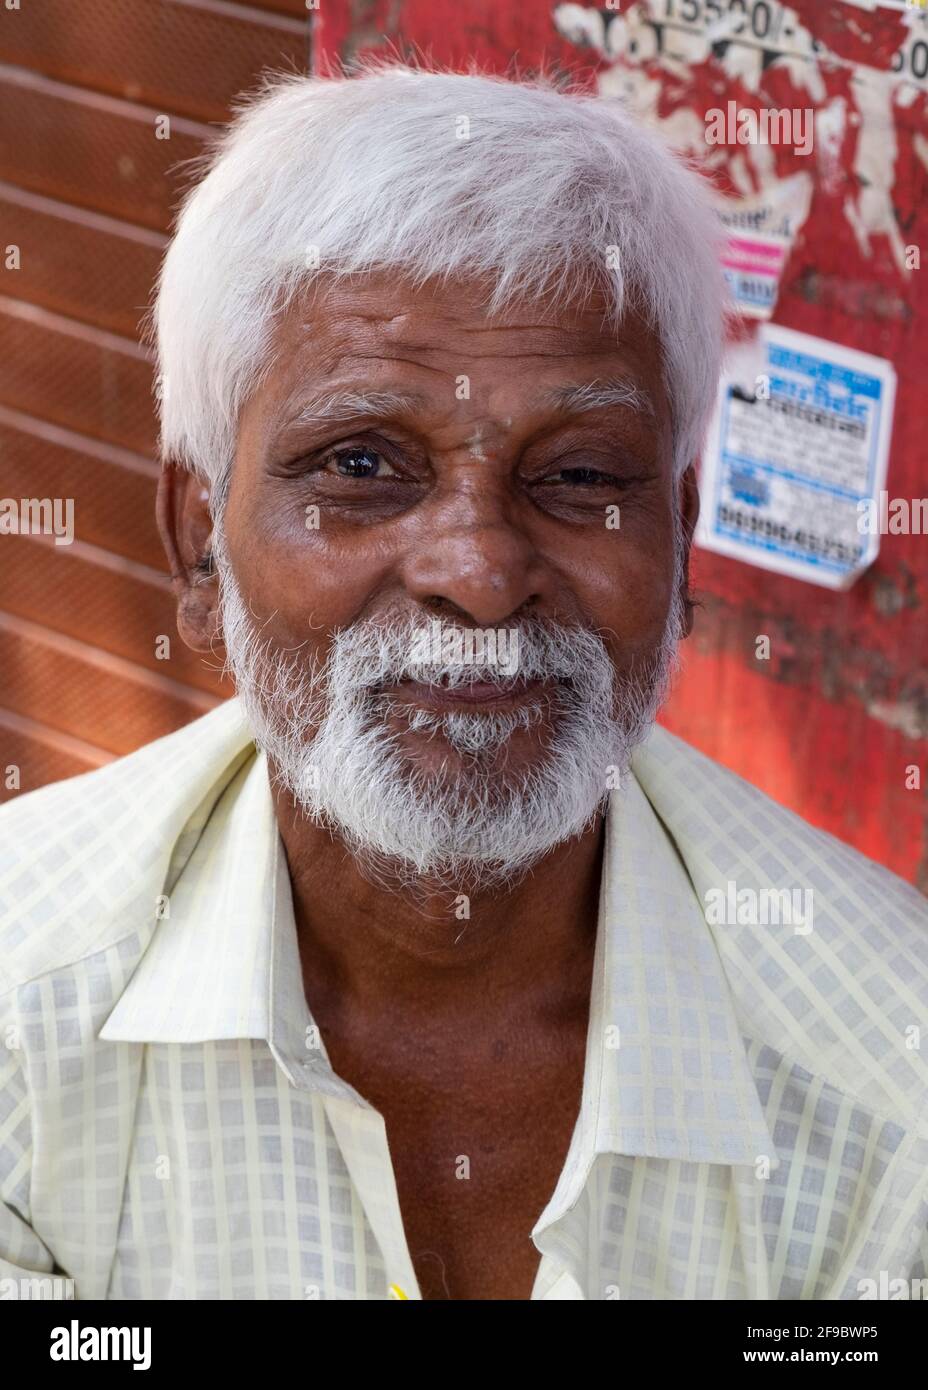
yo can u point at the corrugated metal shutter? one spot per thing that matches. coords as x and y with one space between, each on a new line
87 193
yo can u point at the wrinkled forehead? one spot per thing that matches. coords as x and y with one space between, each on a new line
441 348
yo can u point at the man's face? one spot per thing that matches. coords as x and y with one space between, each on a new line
410 458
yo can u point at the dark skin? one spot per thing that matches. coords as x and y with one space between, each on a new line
468 1035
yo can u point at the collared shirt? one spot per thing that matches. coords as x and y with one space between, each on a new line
753 1121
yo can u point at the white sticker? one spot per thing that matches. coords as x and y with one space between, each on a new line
796 457
762 229
752 266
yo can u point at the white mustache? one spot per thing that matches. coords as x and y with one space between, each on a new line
386 652
328 725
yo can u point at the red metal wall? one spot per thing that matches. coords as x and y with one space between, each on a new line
833 721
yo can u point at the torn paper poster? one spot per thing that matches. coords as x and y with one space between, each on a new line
753 266
762 229
796 457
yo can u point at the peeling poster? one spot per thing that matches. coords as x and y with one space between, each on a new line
761 232
796 457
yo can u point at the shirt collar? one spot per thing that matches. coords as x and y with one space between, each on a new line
224 960
666 1073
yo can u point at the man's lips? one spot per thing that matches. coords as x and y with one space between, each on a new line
477 695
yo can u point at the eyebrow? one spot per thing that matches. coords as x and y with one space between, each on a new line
342 407
345 407
599 395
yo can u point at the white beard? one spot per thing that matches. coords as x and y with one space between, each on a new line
324 729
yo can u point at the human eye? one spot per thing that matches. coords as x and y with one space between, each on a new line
576 476
359 461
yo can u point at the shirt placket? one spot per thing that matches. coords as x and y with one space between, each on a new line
362 1138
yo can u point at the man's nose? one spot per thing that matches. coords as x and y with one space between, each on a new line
476 556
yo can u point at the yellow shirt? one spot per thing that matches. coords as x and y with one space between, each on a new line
753 1122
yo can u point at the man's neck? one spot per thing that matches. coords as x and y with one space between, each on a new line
428 953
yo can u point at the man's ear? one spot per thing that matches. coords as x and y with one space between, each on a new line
688 495
186 533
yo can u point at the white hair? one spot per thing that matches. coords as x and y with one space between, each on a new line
429 174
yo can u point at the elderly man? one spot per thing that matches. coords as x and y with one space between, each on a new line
427 967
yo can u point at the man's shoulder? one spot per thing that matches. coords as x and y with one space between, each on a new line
826 951
83 859
731 824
